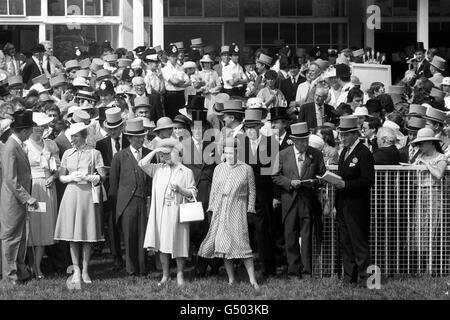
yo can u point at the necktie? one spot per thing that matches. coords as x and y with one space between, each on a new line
117 144
300 158
138 155
49 69
345 152
13 63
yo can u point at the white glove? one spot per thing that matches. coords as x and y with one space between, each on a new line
93 178
77 176
66 179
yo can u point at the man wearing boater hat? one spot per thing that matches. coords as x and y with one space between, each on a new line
108 147
15 197
299 165
356 168
129 189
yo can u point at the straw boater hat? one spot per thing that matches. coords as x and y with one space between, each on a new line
57 81
299 130
435 115
96 64
123 63
39 88
415 124
75 128
220 100
80 82
257 104
87 95
361 112
163 123
225 50
416 110
437 94
113 118
179 45
348 124
233 106
103 74
135 127
253 118
425 134
438 63
111 58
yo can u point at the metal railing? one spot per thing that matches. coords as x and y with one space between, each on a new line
409 224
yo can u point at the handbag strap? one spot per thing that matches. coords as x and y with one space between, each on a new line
193 195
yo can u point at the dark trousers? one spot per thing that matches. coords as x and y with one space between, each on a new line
156 111
173 101
279 237
265 235
298 257
354 240
114 238
134 224
235 92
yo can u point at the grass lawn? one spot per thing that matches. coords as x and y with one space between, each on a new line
111 285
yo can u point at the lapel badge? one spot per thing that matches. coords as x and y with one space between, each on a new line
310 156
289 142
103 86
355 160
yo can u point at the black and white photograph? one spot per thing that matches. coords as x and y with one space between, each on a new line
224 155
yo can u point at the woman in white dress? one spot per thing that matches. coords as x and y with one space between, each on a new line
43 155
209 83
172 183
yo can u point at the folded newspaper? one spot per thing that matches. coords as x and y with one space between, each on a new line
331 177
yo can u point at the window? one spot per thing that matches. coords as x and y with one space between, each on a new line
269 33
56 8
212 8
194 8
252 8
253 33
177 7
34 7
287 32
230 8
12 7
304 8
287 7
111 7
83 7
270 8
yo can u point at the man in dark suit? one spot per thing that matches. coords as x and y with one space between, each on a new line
33 67
317 113
15 197
298 167
290 85
258 154
108 147
129 188
423 65
199 156
356 168
279 120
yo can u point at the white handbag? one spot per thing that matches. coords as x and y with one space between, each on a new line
191 211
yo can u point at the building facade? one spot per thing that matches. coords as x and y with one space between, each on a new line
257 23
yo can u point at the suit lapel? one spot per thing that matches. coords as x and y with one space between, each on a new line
22 153
291 157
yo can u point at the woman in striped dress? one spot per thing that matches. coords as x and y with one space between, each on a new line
232 197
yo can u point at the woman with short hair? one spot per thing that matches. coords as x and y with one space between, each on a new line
79 218
232 197
172 183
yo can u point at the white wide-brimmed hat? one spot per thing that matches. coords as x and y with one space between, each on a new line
41 119
75 128
425 134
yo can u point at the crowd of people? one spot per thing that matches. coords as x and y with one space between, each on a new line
107 148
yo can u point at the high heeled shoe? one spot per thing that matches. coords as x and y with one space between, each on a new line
86 278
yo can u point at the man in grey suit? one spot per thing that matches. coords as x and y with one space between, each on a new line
15 197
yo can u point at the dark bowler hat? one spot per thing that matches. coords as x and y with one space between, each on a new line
23 119
299 130
38 49
278 113
196 102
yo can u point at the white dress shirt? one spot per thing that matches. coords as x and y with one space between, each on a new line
299 163
353 146
136 153
344 94
319 114
171 72
230 72
280 139
303 90
38 64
